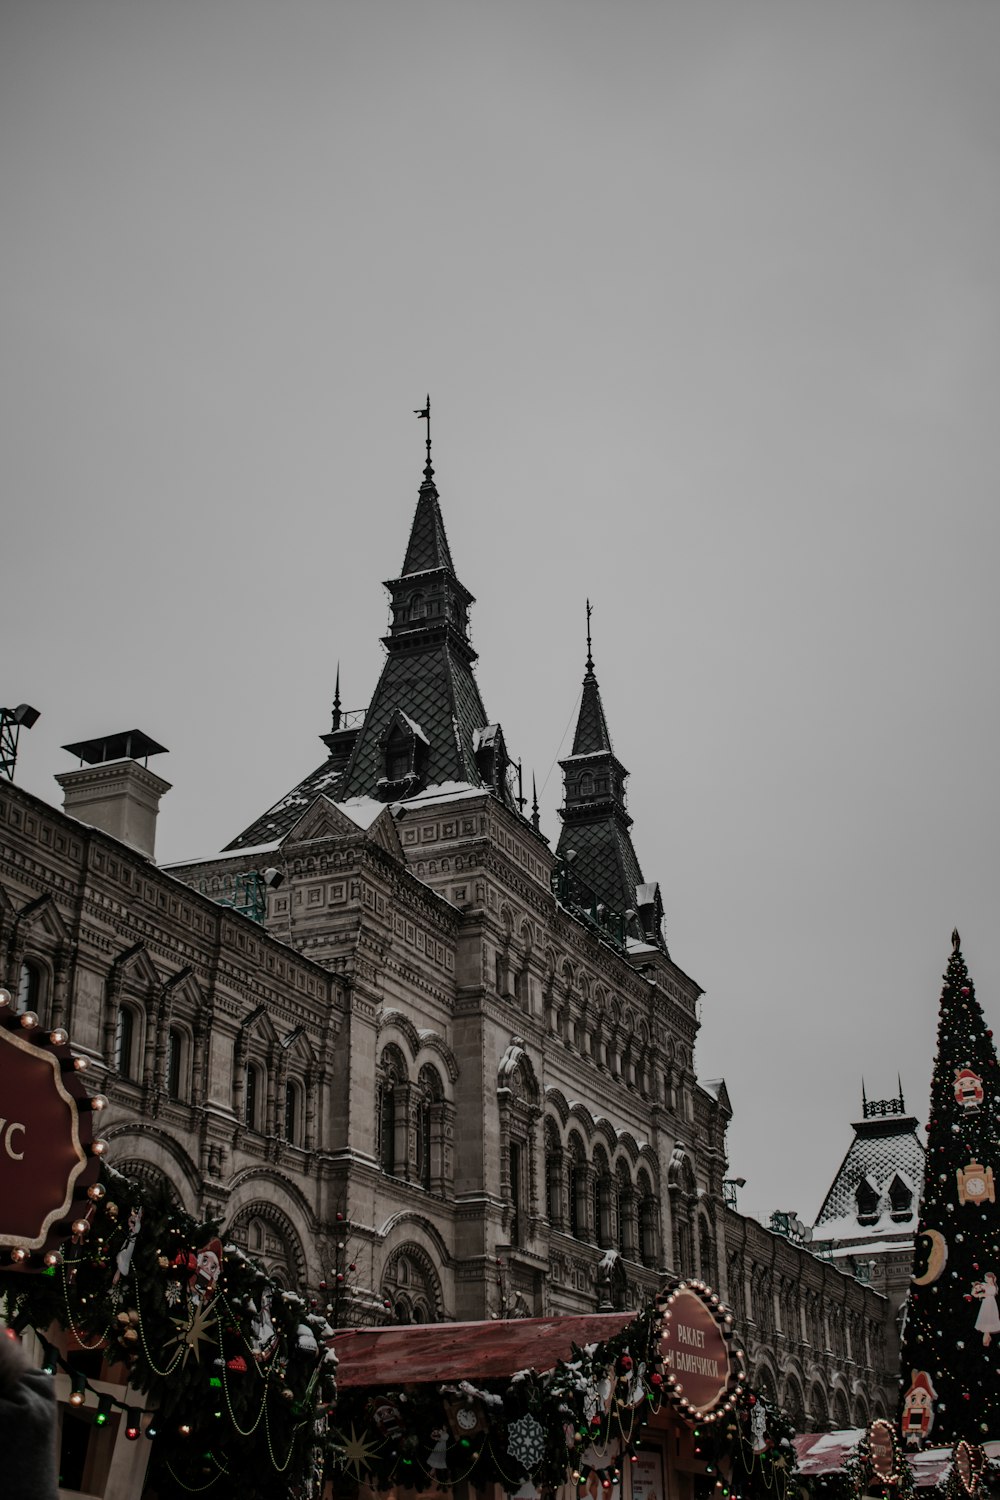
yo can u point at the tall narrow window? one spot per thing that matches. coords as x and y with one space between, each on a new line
175 1049
386 1124
124 1036
291 1112
424 1140
574 1196
251 1096
29 987
517 1217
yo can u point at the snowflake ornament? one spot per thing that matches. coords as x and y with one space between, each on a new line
526 1441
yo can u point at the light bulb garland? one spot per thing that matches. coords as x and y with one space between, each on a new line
158 1291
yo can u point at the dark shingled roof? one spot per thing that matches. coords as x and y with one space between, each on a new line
591 726
428 547
276 822
883 1145
437 690
605 860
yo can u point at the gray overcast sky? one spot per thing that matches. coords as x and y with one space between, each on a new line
706 296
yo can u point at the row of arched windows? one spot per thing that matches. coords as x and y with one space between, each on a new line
176 1076
598 1203
410 1122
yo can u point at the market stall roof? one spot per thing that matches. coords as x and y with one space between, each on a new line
464 1351
825 1452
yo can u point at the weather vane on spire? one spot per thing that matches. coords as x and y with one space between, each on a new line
590 659
424 413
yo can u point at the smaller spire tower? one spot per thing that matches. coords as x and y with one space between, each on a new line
596 823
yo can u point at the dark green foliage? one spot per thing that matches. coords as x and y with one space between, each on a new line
236 1410
957 1252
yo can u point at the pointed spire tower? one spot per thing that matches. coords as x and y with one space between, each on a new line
950 1359
426 725
425 722
595 835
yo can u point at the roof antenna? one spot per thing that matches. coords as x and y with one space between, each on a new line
424 414
590 658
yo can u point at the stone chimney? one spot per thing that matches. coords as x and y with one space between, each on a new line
115 793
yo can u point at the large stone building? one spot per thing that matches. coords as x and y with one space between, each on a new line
391 999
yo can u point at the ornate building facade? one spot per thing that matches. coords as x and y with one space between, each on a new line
390 999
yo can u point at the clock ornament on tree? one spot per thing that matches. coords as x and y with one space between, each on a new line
959 1228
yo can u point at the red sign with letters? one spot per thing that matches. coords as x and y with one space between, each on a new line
695 1350
44 1161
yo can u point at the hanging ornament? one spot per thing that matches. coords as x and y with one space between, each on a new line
918 1409
438 1456
193 1332
988 1319
526 1441
969 1093
465 1418
123 1260
930 1256
387 1417
975 1184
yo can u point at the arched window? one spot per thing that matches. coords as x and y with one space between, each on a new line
252 1096
390 1118
418 606
125 1041
175 1061
29 988
586 785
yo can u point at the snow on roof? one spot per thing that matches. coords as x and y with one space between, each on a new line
251 851
414 726
875 1247
847 1228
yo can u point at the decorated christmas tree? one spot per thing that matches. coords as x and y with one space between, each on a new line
950 1357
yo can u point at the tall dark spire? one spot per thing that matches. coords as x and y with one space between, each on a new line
336 701
591 726
422 726
595 820
426 724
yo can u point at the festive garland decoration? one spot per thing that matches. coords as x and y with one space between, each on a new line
749 1454
237 1369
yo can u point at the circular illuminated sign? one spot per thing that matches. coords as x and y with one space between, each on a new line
48 1156
698 1366
883 1450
